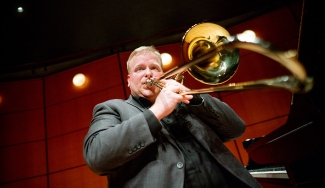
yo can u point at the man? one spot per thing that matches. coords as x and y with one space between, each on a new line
159 138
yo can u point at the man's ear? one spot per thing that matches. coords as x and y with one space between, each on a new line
128 80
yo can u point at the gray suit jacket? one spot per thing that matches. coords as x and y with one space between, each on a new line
120 145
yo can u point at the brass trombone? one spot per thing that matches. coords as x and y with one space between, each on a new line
211 56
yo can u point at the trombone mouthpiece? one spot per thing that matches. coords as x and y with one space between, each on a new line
150 82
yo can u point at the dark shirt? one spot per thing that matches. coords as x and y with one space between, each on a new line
201 170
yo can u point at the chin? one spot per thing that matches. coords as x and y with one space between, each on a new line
149 93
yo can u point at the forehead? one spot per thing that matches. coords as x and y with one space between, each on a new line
145 57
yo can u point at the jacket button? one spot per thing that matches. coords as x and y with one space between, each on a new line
179 165
130 151
142 143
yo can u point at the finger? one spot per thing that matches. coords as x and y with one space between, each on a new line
164 81
186 102
172 87
186 98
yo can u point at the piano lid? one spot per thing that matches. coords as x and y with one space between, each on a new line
299 143
302 134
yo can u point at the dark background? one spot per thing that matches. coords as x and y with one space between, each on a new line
51 36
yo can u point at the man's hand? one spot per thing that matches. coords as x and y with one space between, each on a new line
168 98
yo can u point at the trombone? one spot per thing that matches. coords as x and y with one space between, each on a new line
211 56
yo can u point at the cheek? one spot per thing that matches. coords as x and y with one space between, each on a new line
157 74
134 80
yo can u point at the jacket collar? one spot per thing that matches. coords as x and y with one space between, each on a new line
143 103
138 102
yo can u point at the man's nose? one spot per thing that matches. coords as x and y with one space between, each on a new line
148 73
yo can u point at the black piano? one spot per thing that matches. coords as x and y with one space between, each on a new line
294 154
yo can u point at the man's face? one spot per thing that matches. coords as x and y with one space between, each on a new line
142 67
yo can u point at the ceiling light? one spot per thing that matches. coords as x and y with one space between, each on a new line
247 36
79 79
20 9
166 58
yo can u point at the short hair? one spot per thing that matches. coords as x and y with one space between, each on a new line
141 50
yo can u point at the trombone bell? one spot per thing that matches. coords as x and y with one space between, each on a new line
199 40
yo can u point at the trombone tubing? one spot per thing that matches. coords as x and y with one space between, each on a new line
285 58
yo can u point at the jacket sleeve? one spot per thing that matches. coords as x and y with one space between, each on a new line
117 134
219 116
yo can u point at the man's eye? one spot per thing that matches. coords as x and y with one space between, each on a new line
155 68
139 69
